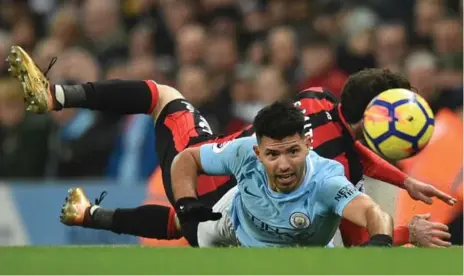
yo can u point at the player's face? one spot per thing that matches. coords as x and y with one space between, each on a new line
284 161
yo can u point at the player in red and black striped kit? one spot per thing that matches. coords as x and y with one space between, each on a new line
179 125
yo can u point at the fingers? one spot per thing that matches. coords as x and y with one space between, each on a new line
215 216
198 213
440 243
426 199
431 225
439 226
206 214
441 235
434 192
435 246
424 216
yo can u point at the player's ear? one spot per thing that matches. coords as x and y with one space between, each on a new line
256 150
308 142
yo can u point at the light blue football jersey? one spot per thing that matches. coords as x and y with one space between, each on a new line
308 216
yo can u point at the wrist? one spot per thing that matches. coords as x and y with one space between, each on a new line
412 234
381 239
402 235
407 182
185 200
183 208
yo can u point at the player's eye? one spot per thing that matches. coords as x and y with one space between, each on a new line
293 151
272 154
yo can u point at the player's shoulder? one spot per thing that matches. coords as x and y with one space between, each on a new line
324 168
328 178
240 147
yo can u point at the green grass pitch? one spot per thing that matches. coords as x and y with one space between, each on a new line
144 260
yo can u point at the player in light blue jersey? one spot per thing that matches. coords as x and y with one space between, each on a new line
286 195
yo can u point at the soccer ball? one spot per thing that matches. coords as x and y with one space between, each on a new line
397 124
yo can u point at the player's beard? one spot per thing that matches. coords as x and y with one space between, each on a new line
283 185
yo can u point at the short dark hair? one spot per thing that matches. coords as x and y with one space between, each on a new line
279 120
365 85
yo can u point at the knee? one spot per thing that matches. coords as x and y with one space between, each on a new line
166 94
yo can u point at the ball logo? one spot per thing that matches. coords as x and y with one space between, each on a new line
219 147
299 220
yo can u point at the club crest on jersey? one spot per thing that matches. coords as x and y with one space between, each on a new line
299 220
219 147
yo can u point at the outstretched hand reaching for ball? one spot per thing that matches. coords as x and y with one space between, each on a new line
419 190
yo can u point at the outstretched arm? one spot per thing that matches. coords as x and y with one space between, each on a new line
212 159
364 212
185 169
377 168
343 199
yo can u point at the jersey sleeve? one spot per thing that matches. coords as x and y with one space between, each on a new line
226 158
376 167
336 190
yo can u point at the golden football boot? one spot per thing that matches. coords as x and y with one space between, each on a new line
75 207
35 84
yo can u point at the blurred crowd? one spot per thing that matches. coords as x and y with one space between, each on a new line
228 58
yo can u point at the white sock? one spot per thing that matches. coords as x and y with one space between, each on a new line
59 94
93 209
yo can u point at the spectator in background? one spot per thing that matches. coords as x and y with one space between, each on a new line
328 20
356 51
243 105
194 81
447 44
319 67
255 89
191 43
24 33
254 23
283 52
83 140
421 68
298 16
224 20
220 60
269 86
64 26
195 84
45 50
134 157
391 46
426 14
17 18
143 68
5 43
256 53
141 42
276 12
24 138
104 30
171 17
